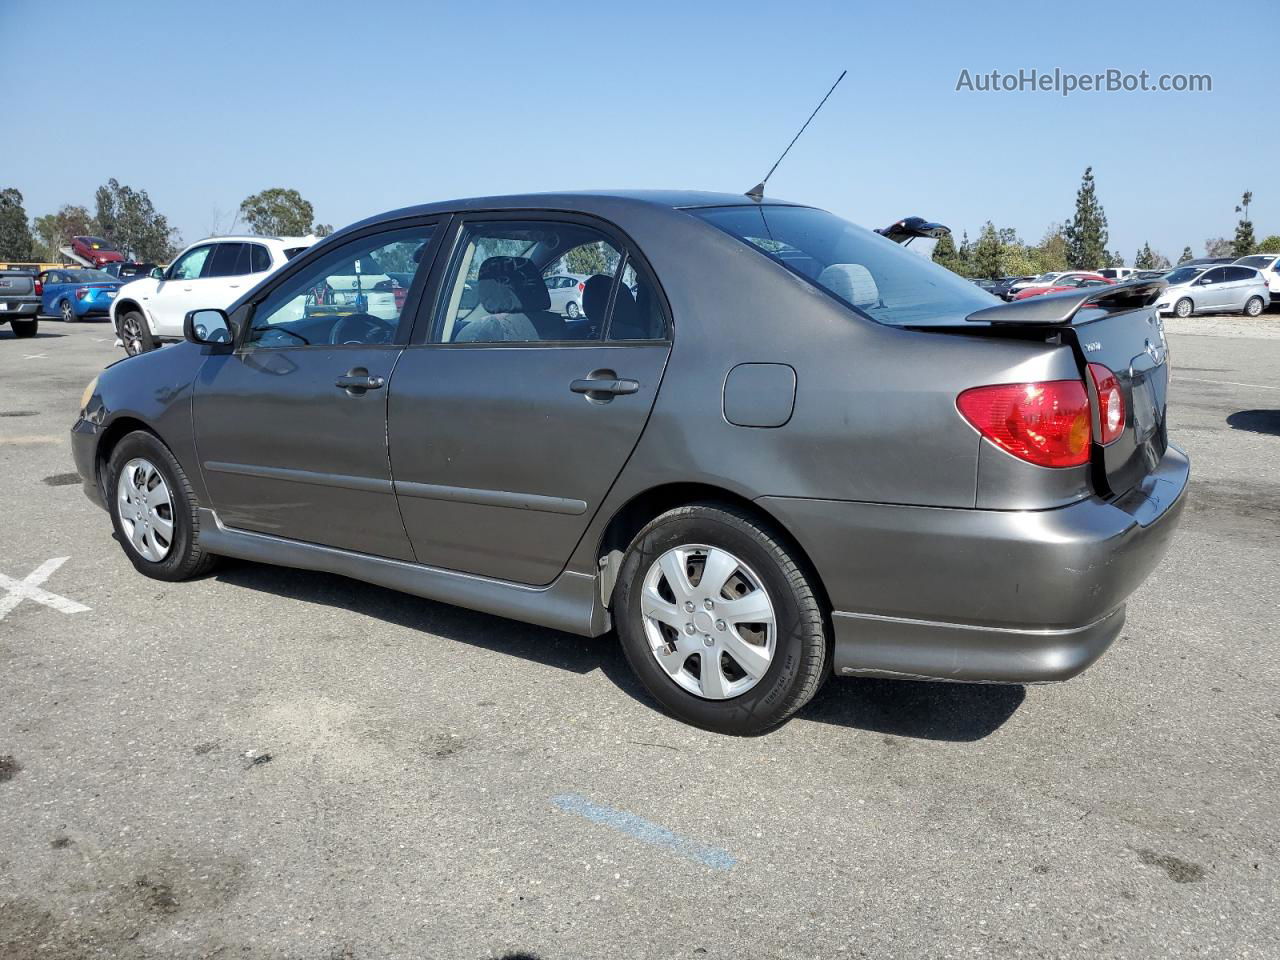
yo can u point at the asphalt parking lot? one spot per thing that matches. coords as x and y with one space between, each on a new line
271 763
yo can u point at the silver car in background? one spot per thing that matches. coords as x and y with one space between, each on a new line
565 290
1215 289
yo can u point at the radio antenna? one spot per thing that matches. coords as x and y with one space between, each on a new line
756 193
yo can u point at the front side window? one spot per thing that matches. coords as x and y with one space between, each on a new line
352 295
1218 275
498 290
868 272
190 264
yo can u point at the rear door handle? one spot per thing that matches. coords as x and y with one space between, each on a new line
357 380
607 386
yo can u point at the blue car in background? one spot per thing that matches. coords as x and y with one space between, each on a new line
75 294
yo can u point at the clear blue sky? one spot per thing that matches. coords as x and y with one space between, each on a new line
366 106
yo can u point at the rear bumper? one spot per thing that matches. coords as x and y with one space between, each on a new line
983 595
19 309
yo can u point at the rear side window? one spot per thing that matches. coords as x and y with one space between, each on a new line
228 260
497 289
259 258
1242 273
870 273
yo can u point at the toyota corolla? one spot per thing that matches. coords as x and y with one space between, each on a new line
771 447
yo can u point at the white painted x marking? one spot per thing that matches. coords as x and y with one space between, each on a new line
28 588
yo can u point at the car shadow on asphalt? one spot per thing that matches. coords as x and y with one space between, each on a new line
40 335
905 708
1256 421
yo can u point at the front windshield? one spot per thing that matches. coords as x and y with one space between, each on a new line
1183 274
870 273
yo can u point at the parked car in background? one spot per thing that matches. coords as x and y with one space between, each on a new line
565 290
1002 286
1206 261
20 301
1269 265
75 294
126 270
95 250
1149 274
1116 274
1043 280
1066 281
752 504
1217 289
210 273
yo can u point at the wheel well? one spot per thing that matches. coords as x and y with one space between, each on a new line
636 514
125 305
114 433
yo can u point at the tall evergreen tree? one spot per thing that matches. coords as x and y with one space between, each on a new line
1086 232
1245 243
15 234
129 219
1186 255
986 252
1146 258
944 252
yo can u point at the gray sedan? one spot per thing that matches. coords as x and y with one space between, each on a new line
776 446
1215 289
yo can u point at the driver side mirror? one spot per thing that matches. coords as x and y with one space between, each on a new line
208 327
156 273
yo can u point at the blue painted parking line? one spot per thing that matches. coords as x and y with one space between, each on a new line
645 831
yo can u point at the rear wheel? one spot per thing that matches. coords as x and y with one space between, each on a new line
572 310
67 312
719 620
25 328
153 509
1183 308
134 333
1253 308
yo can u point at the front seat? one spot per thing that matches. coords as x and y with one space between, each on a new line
512 292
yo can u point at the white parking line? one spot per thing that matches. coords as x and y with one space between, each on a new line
1229 383
36 356
28 588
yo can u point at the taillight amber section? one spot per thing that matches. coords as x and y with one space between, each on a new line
1045 423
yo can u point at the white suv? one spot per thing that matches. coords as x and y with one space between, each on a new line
1269 265
212 273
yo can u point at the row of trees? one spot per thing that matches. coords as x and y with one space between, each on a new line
127 218
1079 244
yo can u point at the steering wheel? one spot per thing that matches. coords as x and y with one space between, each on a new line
362 328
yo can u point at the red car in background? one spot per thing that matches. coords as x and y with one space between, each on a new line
1068 281
95 250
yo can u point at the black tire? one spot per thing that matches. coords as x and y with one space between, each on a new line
1184 308
799 664
1253 307
24 328
142 342
67 312
186 558
573 310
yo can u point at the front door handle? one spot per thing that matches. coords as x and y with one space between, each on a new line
357 380
603 385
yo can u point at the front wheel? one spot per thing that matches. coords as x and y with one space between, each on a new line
134 333
719 620
24 328
1253 307
154 510
67 312
1183 308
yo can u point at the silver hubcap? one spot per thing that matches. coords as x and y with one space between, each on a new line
709 621
1184 308
145 509
1255 307
66 311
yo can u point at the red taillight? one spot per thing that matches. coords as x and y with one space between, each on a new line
81 292
581 286
1043 423
1111 413
39 289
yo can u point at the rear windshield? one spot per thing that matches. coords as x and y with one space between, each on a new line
877 277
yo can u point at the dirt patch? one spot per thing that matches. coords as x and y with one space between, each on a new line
1179 870
9 768
156 895
1247 510
62 479
17 413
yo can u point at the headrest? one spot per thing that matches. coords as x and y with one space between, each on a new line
511 285
852 282
595 297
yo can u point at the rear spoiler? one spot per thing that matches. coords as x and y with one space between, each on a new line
1060 309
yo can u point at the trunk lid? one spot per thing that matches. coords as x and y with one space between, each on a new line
1118 327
